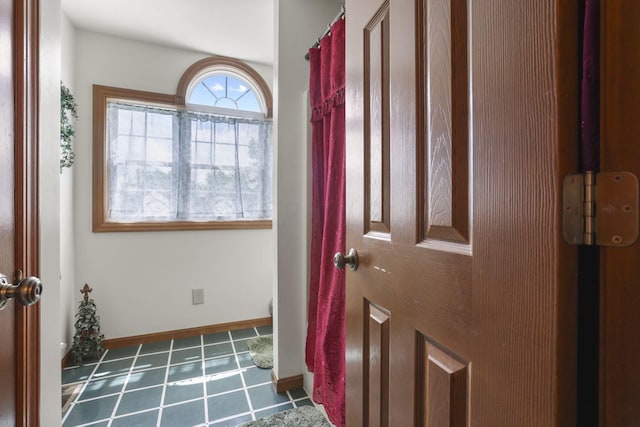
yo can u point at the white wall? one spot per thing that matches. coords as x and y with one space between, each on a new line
69 289
50 213
142 281
298 24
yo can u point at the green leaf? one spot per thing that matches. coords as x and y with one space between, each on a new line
68 111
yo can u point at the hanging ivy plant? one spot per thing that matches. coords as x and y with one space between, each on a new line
67 114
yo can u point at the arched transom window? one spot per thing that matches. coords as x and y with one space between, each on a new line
225 91
227 86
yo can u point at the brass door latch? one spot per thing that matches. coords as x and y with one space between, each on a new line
26 291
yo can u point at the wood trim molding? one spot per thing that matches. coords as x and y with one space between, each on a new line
27 231
288 383
100 178
100 220
184 333
182 225
67 360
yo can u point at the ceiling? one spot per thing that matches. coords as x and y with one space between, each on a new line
242 29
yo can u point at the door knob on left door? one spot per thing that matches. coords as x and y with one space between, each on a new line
351 259
26 292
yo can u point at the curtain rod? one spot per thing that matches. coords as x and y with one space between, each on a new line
327 31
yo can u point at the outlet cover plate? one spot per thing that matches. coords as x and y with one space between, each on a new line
197 296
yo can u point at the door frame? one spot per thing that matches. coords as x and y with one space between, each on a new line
27 231
619 298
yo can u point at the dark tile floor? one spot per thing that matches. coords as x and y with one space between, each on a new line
208 380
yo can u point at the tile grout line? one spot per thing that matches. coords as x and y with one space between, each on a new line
231 417
289 400
84 386
244 383
124 385
204 381
164 385
293 402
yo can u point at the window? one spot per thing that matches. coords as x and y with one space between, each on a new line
221 90
200 159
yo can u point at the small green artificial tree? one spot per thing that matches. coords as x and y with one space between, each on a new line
87 342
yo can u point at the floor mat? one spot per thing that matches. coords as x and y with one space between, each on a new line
306 416
261 351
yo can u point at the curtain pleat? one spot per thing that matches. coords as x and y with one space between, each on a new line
325 346
590 90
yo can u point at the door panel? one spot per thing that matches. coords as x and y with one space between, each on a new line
377 366
443 83
376 80
469 286
444 387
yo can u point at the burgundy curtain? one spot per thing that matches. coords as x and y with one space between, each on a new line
590 91
325 347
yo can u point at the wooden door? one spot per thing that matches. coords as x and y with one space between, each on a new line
620 267
7 224
19 325
461 122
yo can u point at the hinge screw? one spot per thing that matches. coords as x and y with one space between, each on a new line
616 239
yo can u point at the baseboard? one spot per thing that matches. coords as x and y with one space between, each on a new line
178 333
286 384
184 333
68 359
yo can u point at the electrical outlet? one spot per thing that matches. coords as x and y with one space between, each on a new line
197 296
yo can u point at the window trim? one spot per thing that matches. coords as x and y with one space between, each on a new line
101 223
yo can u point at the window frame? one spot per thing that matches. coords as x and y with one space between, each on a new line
101 95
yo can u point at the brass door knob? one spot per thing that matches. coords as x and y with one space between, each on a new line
351 259
26 292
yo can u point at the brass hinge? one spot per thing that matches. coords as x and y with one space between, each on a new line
600 209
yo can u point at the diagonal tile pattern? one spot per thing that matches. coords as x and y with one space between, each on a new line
207 380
